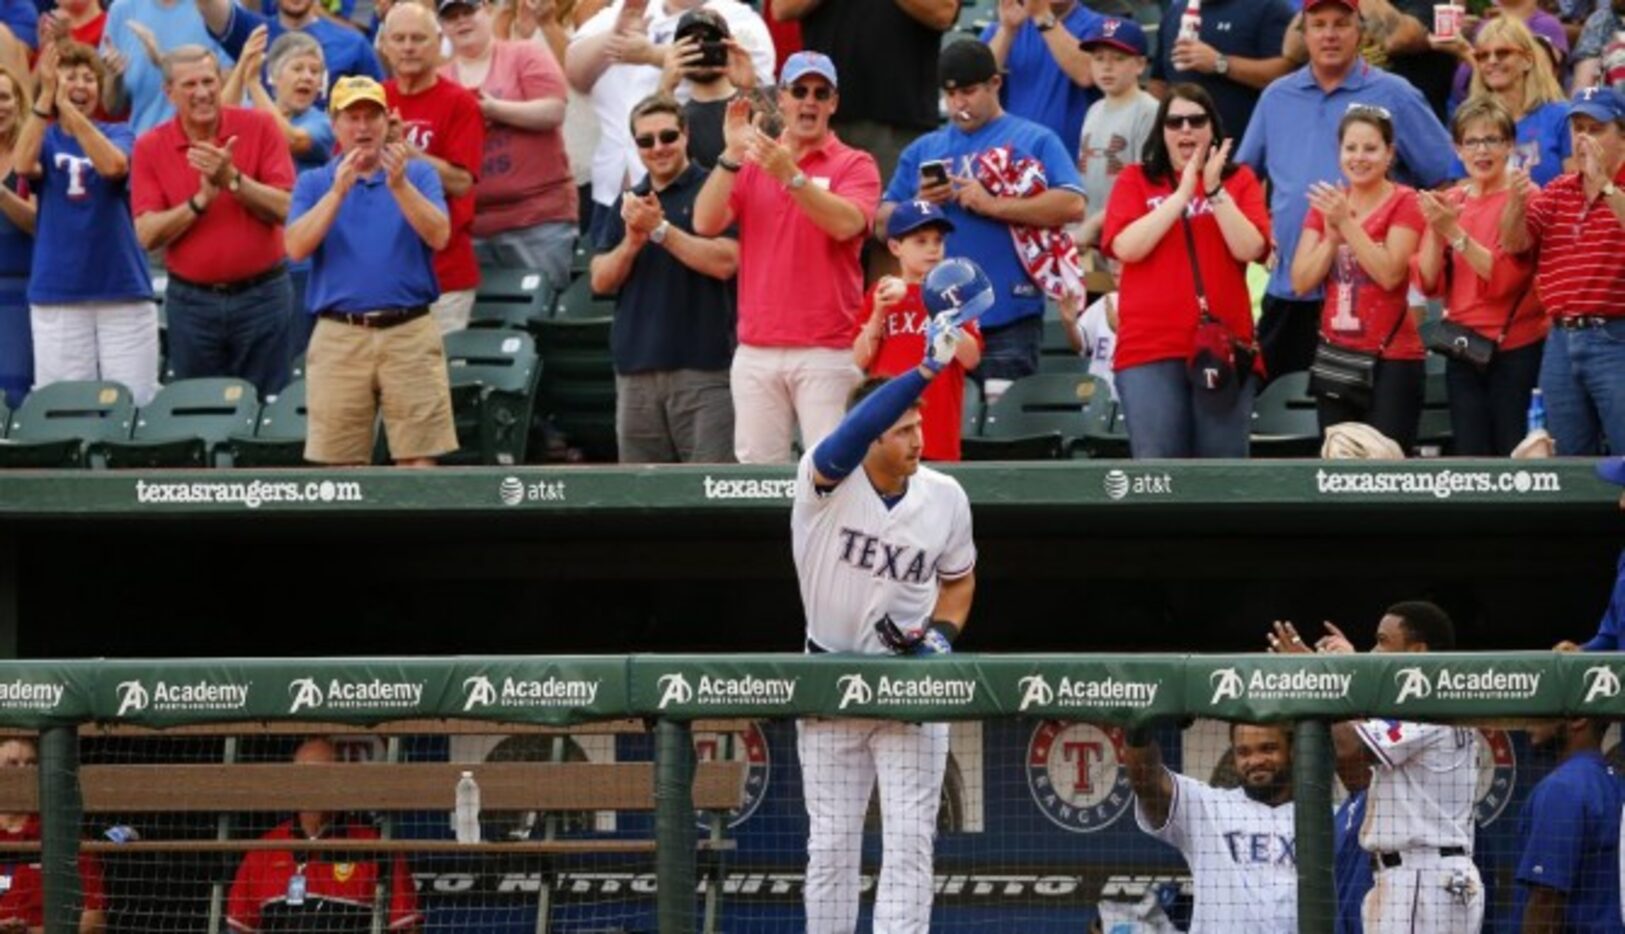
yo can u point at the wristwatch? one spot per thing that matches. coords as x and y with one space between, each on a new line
1459 243
797 181
1609 190
236 181
1221 65
1046 23
657 236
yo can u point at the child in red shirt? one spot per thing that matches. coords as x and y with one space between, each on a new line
891 333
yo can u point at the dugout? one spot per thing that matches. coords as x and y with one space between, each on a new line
1074 556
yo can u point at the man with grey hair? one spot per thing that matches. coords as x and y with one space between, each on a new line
443 124
211 187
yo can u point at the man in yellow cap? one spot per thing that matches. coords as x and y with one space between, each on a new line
370 221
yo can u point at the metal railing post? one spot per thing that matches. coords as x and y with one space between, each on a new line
60 813
1312 757
675 833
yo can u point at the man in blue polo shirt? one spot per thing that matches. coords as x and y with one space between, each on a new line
1035 43
1568 878
345 50
673 338
977 123
370 222
1292 139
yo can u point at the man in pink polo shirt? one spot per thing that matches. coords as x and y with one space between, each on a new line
802 203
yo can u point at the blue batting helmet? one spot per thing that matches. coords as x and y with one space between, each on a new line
959 286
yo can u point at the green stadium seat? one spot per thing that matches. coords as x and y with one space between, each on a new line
1039 447
56 423
186 425
1284 419
1044 404
526 291
1055 353
970 421
578 302
577 392
494 377
296 369
1105 433
5 416
1434 432
278 438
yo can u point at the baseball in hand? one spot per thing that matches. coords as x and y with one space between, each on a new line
890 290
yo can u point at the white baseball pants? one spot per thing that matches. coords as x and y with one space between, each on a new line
840 760
97 340
1425 893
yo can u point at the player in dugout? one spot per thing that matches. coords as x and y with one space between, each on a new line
298 890
22 891
886 562
1238 842
1419 809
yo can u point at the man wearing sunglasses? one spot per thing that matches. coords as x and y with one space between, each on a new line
803 201
674 307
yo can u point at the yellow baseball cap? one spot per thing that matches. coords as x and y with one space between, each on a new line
354 89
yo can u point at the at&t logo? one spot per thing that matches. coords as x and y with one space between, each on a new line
854 690
1076 775
1116 484
1227 685
1601 683
1413 682
674 689
132 696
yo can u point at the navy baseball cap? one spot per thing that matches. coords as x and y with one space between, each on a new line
802 64
1600 103
910 216
1612 469
1125 35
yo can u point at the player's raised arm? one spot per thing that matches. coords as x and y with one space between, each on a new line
1148 776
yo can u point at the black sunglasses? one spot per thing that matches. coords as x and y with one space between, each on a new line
1180 121
820 93
666 137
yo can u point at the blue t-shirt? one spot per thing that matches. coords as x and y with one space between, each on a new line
1242 28
1543 144
22 18
983 239
16 244
1607 637
344 51
668 316
87 246
371 257
1351 864
1036 88
1292 139
1576 847
174 24
314 120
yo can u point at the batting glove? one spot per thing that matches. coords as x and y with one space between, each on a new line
933 640
942 338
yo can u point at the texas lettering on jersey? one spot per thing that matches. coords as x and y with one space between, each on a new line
893 562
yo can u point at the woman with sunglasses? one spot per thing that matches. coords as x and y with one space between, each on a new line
1358 239
1510 65
1185 223
1484 288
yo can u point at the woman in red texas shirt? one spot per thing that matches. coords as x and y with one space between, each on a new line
1359 240
1186 177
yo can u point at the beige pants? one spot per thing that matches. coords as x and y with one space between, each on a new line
775 388
352 372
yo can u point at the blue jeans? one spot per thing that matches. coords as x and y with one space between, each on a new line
1582 377
243 335
546 248
1168 417
1011 351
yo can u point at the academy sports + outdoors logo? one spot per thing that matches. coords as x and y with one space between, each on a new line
1489 684
1077 776
343 694
164 697
771 692
888 691
1294 684
1601 684
480 691
31 695
1036 691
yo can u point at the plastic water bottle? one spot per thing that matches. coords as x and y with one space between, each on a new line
1190 22
465 820
1537 411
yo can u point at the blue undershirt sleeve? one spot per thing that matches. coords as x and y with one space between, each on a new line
839 454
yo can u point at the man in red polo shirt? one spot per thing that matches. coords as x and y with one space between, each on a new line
1577 228
803 203
211 187
295 889
22 891
442 121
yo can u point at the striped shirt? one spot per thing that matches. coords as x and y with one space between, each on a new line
1580 268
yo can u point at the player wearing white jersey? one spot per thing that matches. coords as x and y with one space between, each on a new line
884 554
1240 843
1419 808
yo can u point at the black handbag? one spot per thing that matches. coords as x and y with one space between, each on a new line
1218 360
1460 342
1348 375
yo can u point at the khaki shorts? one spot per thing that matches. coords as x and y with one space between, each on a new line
352 372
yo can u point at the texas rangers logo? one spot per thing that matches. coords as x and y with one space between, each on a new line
1109 27
674 689
854 690
305 693
1227 685
1413 682
748 746
479 691
1035 691
1076 775
1601 683
132 696
1497 766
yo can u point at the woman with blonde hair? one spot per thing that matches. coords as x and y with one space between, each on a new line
17 215
1512 66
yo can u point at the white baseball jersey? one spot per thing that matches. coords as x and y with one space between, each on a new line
858 560
1099 340
1242 855
1422 790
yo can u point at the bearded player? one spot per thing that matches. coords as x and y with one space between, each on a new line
885 558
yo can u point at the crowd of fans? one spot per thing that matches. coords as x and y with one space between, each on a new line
764 185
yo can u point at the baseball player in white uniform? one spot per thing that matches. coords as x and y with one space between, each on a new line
1419 808
1240 843
886 563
